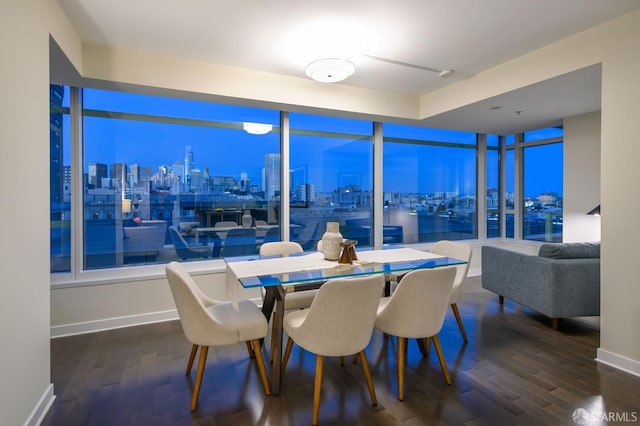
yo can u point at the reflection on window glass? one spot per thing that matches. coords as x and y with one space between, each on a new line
493 141
331 172
510 174
509 219
429 185
60 179
168 179
510 140
540 134
542 202
493 194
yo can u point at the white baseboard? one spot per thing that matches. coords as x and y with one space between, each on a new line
618 361
42 407
118 322
112 323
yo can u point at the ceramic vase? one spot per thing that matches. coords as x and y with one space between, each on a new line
331 240
247 219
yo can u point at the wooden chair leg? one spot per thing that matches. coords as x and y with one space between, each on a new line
317 385
427 345
192 357
285 358
250 350
424 349
273 342
367 377
501 299
402 343
341 361
196 389
456 313
554 323
443 364
261 368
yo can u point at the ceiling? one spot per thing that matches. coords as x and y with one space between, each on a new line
279 36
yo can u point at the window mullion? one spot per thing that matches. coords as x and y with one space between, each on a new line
77 232
378 202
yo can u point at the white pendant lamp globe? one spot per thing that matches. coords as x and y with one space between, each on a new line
330 70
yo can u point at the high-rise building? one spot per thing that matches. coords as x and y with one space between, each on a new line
188 165
56 95
271 176
118 173
245 182
97 172
178 170
305 193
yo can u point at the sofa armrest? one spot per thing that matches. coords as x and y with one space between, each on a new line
576 288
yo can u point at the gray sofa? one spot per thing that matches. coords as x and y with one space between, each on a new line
562 281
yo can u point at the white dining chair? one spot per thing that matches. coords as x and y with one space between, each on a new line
338 323
416 310
207 322
226 224
462 251
294 300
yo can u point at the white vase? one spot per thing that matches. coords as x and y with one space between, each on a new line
331 240
247 219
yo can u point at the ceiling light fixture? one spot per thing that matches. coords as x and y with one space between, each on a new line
257 128
441 73
330 70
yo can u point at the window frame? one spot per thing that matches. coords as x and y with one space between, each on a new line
78 276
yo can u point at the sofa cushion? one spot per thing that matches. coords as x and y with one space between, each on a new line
570 250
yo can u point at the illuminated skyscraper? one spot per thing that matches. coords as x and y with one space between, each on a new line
188 165
271 176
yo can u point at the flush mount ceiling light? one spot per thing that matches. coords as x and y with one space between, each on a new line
257 128
330 70
441 73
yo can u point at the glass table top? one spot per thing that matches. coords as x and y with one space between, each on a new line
338 271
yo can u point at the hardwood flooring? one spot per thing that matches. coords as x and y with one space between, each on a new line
515 370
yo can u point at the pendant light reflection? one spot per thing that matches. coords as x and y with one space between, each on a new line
257 128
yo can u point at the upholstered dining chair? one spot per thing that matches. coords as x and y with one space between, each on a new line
460 251
240 242
207 322
338 323
295 300
184 250
416 310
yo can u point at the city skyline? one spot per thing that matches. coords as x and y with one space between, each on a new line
231 151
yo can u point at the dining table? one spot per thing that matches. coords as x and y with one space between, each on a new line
280 275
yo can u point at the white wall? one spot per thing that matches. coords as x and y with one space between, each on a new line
620 303
581 177
24 246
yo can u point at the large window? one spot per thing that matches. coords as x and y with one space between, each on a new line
60 179
331 177
160 174
493 186
139 179
542 189
429 184
509 193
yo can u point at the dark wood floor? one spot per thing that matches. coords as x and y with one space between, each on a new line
514 371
